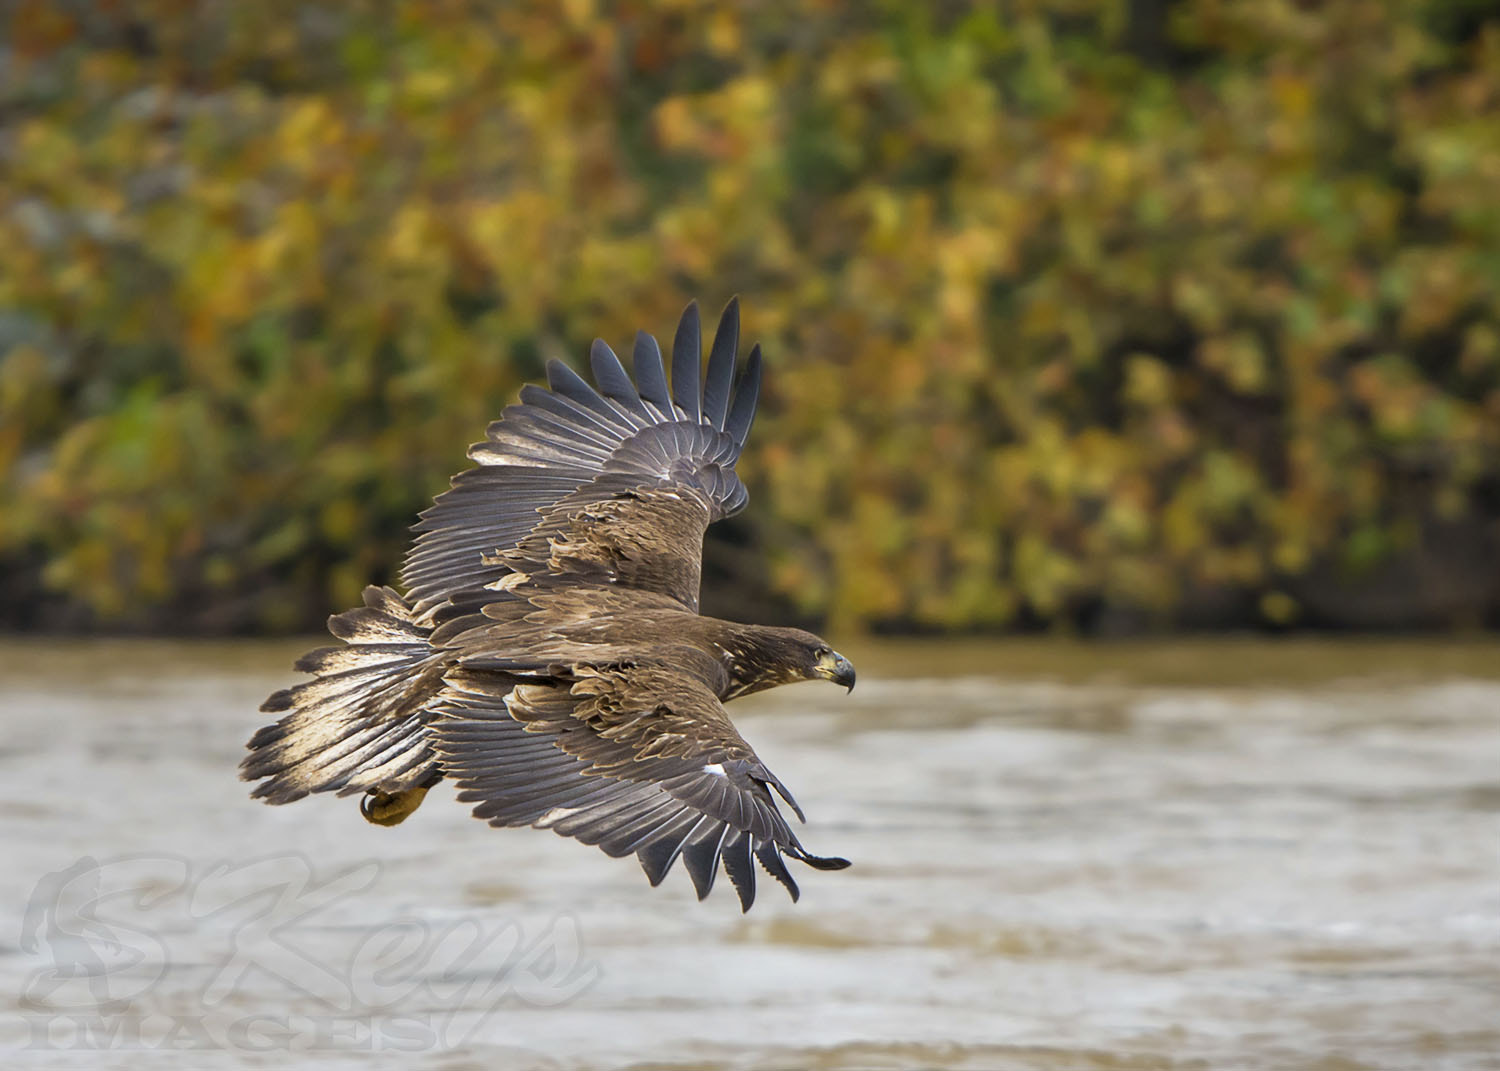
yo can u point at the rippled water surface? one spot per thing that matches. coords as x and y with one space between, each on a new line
1226 854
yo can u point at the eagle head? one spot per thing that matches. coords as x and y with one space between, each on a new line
827 664
766 657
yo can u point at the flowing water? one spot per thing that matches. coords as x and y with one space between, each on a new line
1219 854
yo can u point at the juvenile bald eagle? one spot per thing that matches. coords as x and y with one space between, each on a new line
548 655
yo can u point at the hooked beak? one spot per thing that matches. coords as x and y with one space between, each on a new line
835 667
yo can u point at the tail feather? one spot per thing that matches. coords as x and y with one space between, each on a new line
360 725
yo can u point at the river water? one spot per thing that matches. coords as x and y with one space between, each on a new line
1226 854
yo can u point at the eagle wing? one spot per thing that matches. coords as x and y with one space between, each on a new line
613 485
639 759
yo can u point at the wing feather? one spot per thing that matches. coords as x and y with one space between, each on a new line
567 446
740 868
701 857
721 365
658 856
615 383
569 385
746 395
687 356
637 759
651 376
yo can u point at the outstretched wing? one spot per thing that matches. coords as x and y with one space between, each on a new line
640 760
624 478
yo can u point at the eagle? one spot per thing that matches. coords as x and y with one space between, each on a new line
547 655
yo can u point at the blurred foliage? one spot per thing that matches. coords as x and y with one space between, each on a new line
1172 310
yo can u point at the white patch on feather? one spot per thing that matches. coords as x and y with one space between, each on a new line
715 768
556 814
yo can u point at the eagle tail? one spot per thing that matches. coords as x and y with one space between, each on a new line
360 725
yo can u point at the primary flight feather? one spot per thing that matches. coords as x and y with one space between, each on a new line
548 656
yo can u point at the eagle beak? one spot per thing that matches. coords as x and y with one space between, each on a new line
835 667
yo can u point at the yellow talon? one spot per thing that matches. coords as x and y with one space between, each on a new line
391 808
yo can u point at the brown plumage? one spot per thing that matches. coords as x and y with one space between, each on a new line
548 655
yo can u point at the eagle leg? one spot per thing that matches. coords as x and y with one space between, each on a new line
391 808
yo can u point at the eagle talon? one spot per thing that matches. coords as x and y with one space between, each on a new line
391 808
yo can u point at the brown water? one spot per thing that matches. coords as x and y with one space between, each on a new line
1220 854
